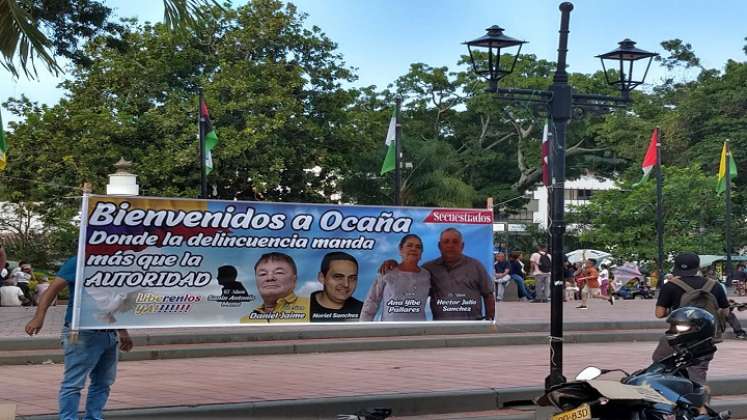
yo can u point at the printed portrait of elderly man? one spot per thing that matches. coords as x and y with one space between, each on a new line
338 275
276 275
460 286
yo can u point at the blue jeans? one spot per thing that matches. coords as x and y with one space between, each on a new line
94 354
523 292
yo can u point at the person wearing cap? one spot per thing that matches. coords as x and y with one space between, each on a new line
686 268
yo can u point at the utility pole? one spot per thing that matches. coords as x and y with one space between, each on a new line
659 211
398 157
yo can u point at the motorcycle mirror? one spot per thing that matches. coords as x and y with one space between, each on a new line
588 373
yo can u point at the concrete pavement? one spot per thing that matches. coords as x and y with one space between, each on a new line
288 378
468 375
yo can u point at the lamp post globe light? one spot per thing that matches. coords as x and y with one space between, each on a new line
560 101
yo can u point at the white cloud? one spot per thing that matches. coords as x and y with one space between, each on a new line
308 288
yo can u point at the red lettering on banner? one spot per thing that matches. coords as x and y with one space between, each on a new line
471 217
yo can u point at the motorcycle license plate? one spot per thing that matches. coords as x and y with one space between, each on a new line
582 412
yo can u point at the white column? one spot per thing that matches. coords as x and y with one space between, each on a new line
122 182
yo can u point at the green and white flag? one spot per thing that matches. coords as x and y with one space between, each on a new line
210 137
391 144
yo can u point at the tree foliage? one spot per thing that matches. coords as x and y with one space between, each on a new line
273 90
38 235
622 221
47 29
290 129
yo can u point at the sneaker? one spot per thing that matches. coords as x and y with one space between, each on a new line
611 300
537 301
741 336
582 307
524 299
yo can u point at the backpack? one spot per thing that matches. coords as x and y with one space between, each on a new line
702 298
545 264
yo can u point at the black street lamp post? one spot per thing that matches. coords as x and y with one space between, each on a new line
561 102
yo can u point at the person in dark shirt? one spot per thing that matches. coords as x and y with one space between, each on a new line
335 302
686 267
517 275
502 275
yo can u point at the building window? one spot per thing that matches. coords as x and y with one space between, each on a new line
584 194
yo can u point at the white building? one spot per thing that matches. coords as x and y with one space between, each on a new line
577 192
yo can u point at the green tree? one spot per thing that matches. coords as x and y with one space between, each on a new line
44 30
274 97
493 146
623 222
38 235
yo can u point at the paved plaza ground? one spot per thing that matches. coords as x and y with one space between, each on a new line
219 380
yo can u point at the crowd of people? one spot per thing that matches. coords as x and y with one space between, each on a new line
583 281
19 286
590 280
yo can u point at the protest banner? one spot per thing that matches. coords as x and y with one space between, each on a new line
166 263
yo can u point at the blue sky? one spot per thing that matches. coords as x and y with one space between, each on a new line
381 38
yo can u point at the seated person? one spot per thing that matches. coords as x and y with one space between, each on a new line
502 275
12 295
41 288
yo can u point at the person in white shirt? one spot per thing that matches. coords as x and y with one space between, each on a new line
11 295
22 276
541 274
604 280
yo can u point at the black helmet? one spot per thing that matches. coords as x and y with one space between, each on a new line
689 326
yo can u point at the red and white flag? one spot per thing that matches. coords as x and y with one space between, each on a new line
649 161
546 142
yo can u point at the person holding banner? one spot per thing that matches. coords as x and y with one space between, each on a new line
276 275
88 353
404 289
335 302
459 282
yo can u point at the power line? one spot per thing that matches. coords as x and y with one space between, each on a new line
33 181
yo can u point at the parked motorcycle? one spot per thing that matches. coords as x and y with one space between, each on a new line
660 391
